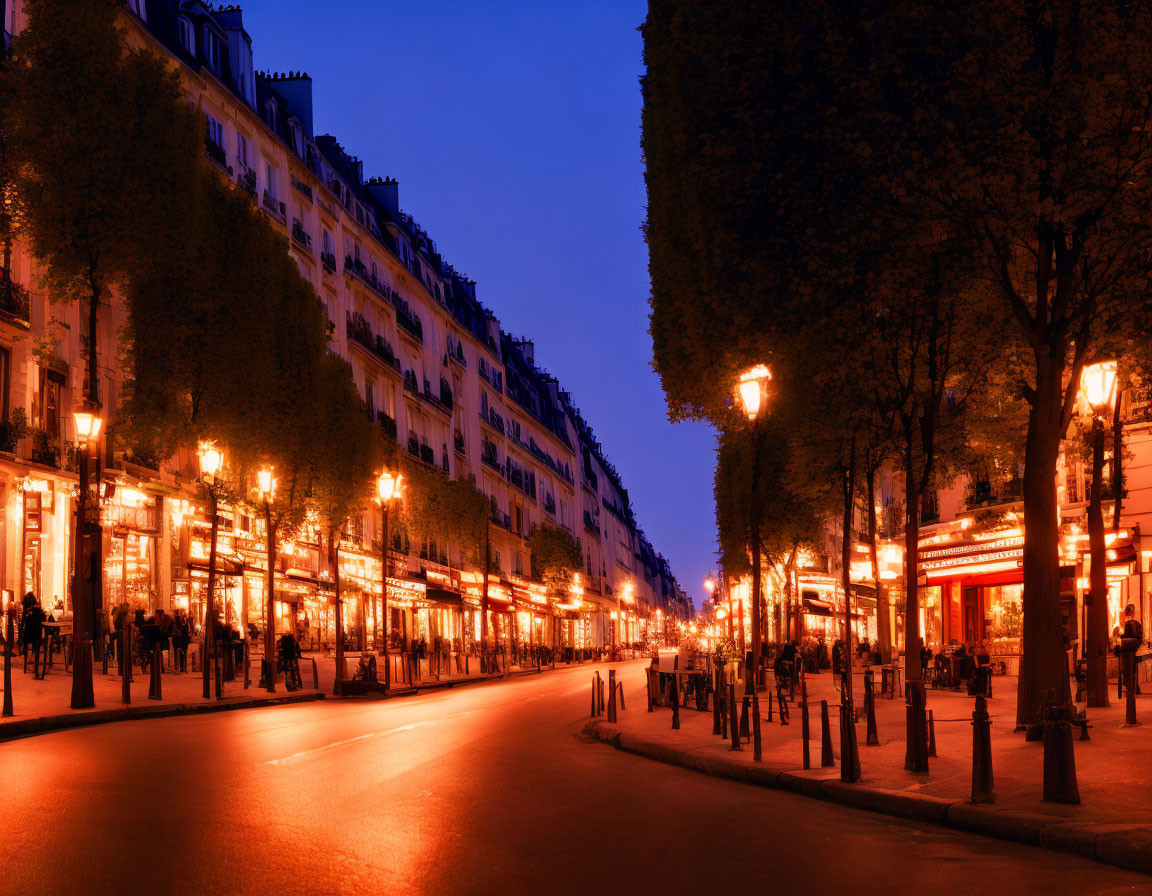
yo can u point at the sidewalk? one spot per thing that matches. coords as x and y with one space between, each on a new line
1113 824
40 706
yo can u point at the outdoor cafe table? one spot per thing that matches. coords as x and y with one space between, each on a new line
689 681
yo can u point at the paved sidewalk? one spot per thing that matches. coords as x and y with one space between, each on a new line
1113 823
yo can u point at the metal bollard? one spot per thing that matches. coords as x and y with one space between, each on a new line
1059 760
931 736
648 686
1130 685
982 789
826 758
849 749
155 683
675 704
805 734
600 687
594 713
126 665
756 744
723 699
611 695
9 643
745 733
872 738
769 706
620 686
716 704
915 757
732 724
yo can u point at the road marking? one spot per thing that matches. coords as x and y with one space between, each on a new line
341 743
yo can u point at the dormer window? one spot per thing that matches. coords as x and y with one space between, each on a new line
270 113
138 7
187 35
297 138
212 50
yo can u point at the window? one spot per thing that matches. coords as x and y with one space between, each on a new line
242 149
271 187
215 131
5 386
370 397
186 36
137 6
297 138
326 241
212 50
53 389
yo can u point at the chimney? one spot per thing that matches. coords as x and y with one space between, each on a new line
527 349
386 191
231 19
296 88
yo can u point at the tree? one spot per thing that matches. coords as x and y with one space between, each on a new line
555 558
95 134
347 455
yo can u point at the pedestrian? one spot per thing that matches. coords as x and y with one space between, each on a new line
1130 640
26 604
34 619
181 638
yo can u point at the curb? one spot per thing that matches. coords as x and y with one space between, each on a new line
1127 846
45 724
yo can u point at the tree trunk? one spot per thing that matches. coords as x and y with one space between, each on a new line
1042 665
913 637
883 617
849 487
1117 462
270 604
484 599
1096 634
334 559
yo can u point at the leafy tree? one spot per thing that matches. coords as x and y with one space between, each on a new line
555 558
443 510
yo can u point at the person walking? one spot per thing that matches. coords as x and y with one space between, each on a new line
181 638
1130 640
34 619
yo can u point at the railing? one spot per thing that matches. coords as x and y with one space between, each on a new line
458 441
494 420
216 154
410 382
410 322
301 187
388 425
328 260
273 205
14 300
300 235
427 454
247 180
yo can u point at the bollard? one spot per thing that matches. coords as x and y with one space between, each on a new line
126 665
675 704
872 739
732 724
745 733
769 706
155 682
1083 723
716 704
804 733
611 695
1130 687
600 689
982 789
1059 760
219 675
723 699
931 736
826 758
849 749
621 688
756 744
648 686
594 695
9 643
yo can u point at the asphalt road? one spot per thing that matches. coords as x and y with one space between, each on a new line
486 789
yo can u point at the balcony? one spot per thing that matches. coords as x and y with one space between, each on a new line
274 207
328 260
981 492
360 332
494 420
410 384
409 322
589 524
458 441
14 301
247 180
300 236
216 154
427 454
413 445
300 187
388 425
488 456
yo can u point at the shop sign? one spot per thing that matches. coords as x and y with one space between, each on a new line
31 511
998 554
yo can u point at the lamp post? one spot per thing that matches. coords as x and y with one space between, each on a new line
210 462
266 485
753 390
88 424
1098 385
387 489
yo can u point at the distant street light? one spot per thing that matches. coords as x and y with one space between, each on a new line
1098 386
211 460
753 391
266 485
88 424
387 489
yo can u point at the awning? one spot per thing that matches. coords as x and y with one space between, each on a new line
443 598
817 607
224 566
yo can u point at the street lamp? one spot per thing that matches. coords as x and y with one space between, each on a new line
753 392
266 486
1098 385
211 460
88 424
387 490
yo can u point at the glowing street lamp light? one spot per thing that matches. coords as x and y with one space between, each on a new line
1098 384
266 485
710 584
387 489
753 387
211 460
88 546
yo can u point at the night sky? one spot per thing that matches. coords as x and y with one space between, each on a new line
514 131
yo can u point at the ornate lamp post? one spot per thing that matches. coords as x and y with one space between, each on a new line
266 485
1098 386
210 462
88 424
753 391
387 490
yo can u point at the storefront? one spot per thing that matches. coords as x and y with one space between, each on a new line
131 530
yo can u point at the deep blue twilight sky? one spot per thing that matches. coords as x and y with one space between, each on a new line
513 127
